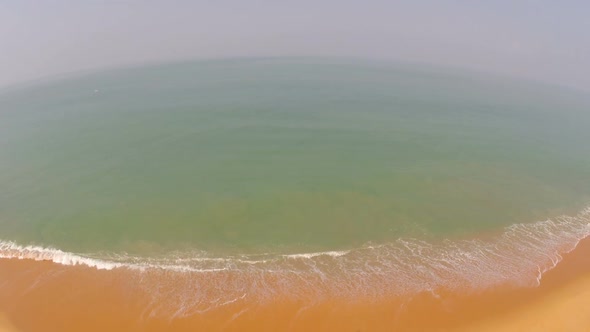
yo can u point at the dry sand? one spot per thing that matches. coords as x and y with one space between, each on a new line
5 324
566 309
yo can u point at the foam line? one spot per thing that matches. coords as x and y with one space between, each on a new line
520 255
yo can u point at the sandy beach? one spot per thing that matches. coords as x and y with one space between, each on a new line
97 300
561 303
565 309
5 324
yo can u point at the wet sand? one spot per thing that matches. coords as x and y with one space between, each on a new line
561 303
44 296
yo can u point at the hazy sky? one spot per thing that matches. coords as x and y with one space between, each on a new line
542 39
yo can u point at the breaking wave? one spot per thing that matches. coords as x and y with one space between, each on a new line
519 256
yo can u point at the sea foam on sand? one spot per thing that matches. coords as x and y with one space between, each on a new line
372 288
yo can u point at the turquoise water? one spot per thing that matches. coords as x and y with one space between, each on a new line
284 155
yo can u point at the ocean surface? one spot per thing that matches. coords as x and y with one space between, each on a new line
207 183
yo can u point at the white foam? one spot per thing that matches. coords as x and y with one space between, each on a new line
520 256
317 254
12 250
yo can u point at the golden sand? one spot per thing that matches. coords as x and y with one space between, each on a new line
566 309
561 303
43 296
5 324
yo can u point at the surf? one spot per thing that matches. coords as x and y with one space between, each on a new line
518 256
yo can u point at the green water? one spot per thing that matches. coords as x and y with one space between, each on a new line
271 154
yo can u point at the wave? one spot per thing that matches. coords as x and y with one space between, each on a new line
517 256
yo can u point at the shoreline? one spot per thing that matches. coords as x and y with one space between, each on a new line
560 303
74 298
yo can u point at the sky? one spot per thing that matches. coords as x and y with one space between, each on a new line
543 40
